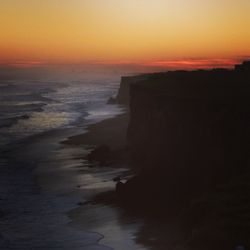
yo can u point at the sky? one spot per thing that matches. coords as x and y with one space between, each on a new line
148 32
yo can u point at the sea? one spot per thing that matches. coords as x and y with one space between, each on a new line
30 108
44 183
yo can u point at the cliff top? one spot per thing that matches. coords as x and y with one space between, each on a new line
215 83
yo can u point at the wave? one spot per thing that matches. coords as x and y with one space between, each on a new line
33 108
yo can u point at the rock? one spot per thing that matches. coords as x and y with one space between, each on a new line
120 187
117 179
100 154
112 100
80 203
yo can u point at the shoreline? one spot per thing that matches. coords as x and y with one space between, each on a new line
101 212
111 132
64 181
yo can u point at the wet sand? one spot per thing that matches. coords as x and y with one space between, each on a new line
119 229
111 132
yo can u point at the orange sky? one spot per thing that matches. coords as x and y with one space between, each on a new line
148 32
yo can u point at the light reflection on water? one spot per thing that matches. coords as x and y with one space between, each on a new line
119 230
39 122
29 108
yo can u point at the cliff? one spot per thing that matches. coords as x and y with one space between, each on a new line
189 139
189 135
191 126
126 81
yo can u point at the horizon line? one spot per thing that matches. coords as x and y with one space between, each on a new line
185 63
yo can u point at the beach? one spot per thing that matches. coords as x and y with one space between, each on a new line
118 228
111 132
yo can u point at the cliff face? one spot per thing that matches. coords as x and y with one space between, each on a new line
190 129
189 136
126 81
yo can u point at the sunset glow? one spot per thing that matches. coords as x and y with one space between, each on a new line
151 32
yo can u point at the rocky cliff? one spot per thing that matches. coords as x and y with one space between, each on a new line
189 137
126 81
190 130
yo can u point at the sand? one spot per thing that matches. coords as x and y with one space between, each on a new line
111 132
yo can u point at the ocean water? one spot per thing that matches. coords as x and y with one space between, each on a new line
42 182
29 108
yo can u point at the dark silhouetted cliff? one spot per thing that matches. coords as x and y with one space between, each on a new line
126 81
189 135
191 126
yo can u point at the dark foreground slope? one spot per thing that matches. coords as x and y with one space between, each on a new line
189 135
